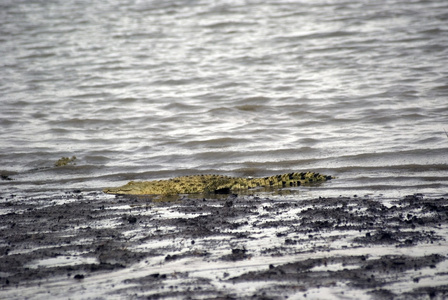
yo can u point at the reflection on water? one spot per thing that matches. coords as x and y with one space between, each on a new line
257 192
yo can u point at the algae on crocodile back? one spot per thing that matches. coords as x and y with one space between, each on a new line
198 184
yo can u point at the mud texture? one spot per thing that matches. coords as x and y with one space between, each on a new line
89 245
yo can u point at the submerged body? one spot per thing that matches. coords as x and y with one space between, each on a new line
198 184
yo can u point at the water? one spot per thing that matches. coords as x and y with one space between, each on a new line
141 90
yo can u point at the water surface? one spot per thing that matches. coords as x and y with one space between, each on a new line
141 90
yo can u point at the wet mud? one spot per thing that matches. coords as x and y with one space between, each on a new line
90 245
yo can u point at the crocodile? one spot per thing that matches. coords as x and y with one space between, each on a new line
218 184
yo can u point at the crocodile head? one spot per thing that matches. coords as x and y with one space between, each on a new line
121 190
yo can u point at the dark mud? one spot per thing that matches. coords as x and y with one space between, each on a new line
90 245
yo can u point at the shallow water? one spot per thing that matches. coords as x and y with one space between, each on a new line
141 90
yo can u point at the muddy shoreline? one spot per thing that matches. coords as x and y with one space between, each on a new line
83 245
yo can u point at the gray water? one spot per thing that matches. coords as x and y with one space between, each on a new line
141 90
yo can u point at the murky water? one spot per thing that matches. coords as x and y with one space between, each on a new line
141 90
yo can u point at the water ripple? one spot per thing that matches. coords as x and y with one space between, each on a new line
150 89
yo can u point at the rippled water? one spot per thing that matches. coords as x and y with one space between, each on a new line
140 90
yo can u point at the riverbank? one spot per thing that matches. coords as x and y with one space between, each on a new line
90 245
